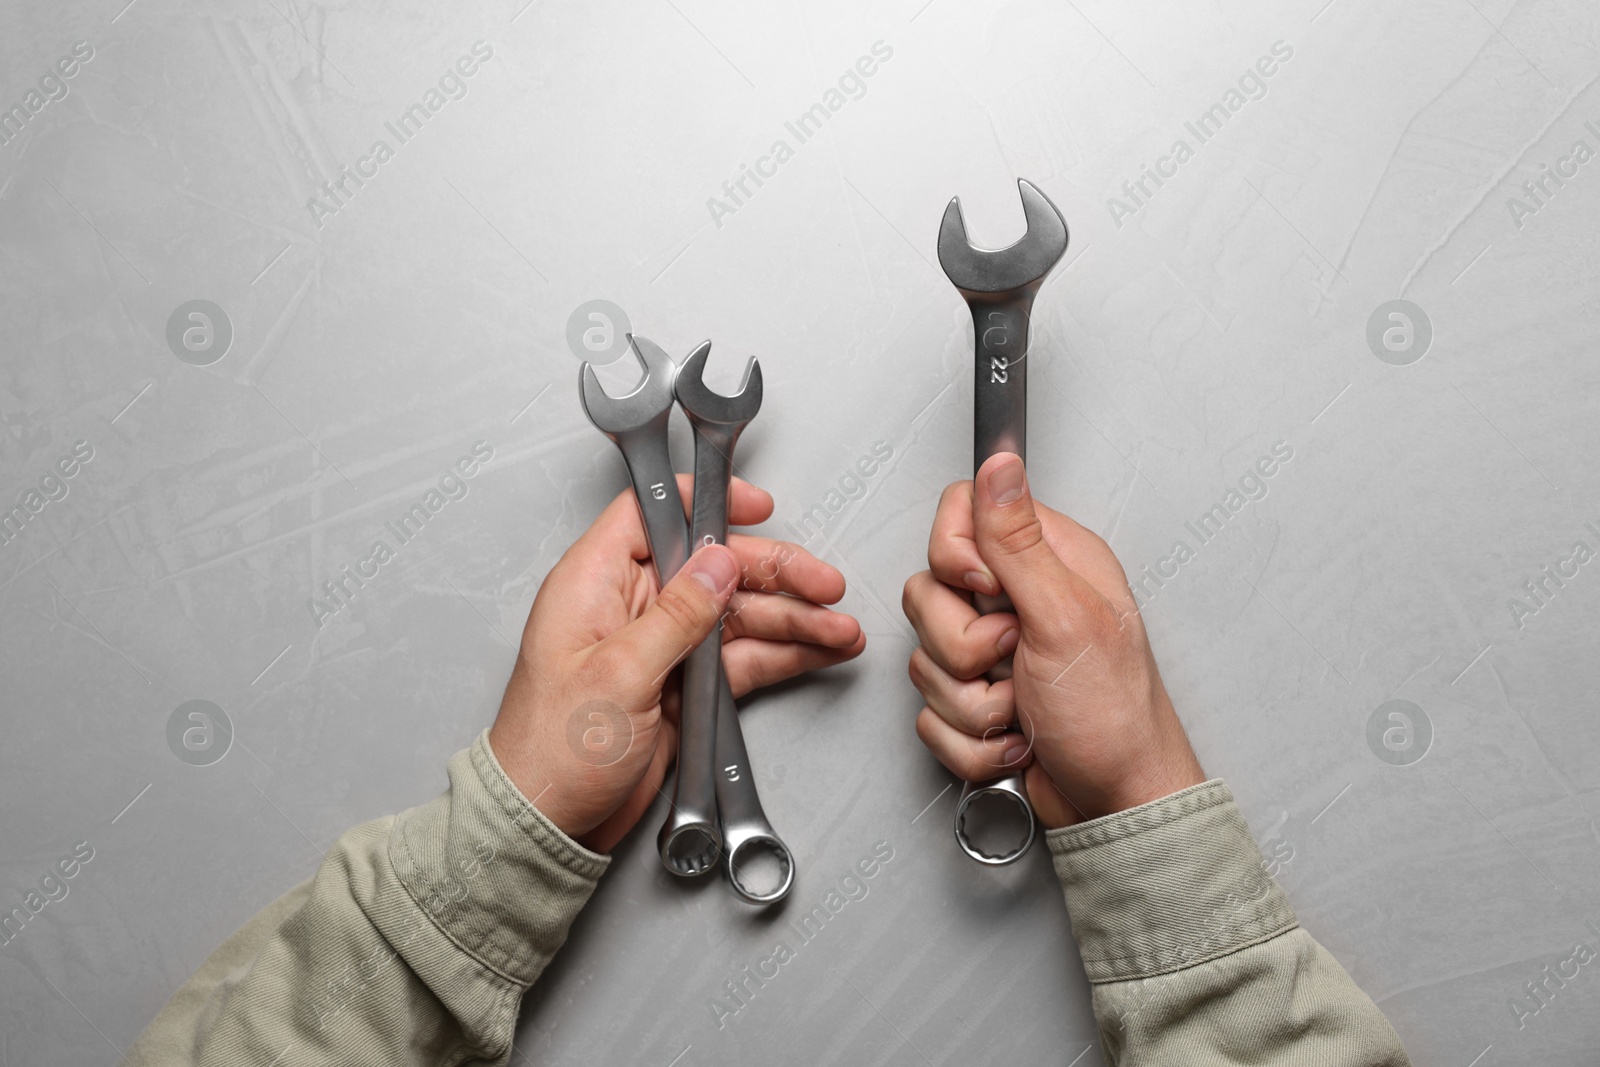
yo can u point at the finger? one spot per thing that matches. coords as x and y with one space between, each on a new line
773 617
620 527
774 566
747 504
953 555
960 640
641 653
974 706
1045 592
971 758
751 663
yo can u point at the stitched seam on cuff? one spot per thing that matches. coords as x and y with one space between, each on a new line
1121 824
1244 931
563 849
413 871
1156 968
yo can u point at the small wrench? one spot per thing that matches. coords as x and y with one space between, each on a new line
999 287
746 834
637 423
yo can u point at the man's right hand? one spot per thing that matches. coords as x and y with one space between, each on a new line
1098 731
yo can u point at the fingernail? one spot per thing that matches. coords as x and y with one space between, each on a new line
715 568
1008 641
1015 752
979 582
1007 482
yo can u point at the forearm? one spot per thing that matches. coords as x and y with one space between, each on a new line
412 945
1193 951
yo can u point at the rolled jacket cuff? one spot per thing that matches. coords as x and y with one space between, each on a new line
1167 885
490 871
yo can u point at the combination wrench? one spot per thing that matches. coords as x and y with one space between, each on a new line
999 287
709 732
747 836
637 423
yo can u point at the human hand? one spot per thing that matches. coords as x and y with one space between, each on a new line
583 730
1098 731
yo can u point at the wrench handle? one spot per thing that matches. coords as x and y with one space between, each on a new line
1000 394
702 671
747 835
690 838
656 487
1000 424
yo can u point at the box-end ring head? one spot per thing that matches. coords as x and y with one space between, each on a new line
996 795
760 869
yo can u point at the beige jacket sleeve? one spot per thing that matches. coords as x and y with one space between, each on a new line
1192 951
417 938
413 944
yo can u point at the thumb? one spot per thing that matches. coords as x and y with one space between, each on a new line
1011 541
682 616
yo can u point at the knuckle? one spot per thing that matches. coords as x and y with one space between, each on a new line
912 592
1018 535
1101 623
967 657
687 615
601 669
916 668
988 718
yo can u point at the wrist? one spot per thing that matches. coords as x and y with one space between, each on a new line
1136 791
537 783
1152 781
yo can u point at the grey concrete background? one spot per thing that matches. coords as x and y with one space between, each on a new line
1187 333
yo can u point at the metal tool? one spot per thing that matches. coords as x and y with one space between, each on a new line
749 843
999 287
637 423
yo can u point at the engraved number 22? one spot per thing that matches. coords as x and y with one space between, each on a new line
998 365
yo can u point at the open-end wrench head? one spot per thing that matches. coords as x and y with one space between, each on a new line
1020 264
650 400
702 404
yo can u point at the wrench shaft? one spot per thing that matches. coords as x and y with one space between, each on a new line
703 685
1000 377
694 800
1000 424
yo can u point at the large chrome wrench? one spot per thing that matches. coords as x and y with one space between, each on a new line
999 287
690 839
747 836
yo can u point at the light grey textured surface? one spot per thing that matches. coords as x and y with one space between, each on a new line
1187 334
